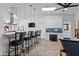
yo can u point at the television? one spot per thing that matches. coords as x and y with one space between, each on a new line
31 25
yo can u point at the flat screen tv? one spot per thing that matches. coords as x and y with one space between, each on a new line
31 25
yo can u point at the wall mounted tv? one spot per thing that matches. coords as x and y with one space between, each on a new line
31 25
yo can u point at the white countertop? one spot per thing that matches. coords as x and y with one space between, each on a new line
9 33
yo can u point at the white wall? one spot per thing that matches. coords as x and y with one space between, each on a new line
67 33
3 16
70 18
77 20
1 27
54 21
1 32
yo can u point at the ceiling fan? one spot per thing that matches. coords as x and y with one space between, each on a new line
65 6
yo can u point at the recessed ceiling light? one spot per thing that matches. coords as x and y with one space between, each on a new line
49 9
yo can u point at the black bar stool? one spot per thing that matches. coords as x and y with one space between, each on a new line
34 38
29 41
14 45
38 36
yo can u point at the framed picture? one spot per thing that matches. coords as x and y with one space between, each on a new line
66 26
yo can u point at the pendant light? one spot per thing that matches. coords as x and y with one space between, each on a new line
25 11
31 12
34 13
13 13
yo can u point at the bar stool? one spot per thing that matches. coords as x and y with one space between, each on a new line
38 36
29 41
14 45
34 38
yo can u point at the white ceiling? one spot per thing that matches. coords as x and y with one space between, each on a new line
26 8
71 10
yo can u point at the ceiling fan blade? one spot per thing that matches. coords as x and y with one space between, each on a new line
60 4
73 5
58 8
69 4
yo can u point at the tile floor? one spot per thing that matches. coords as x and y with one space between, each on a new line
45 48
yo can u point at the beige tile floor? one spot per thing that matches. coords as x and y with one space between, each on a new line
45 48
